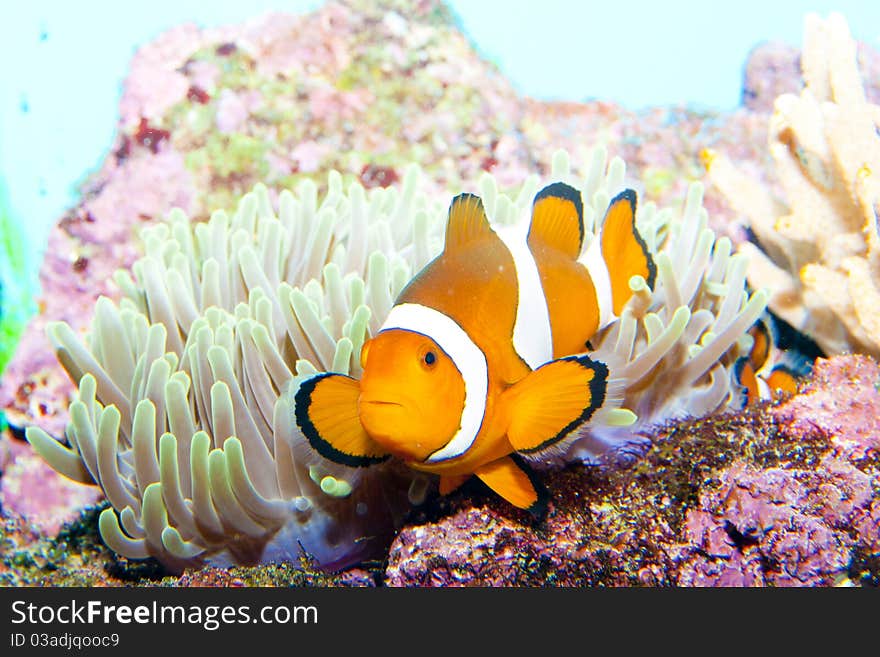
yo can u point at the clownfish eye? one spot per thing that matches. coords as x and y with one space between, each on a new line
428 357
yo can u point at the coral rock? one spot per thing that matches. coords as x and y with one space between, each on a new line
843 400
777 527
772 68
760 498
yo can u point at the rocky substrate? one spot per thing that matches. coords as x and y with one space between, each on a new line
780 495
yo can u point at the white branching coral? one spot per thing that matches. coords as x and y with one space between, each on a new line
184 412
820 252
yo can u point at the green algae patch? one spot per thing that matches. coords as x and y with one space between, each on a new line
75 557
16 286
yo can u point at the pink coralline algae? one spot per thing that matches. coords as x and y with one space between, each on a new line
233 110
486 546
33 492
842 401
773 68
735 500
779 526
308 155
85 249
155 82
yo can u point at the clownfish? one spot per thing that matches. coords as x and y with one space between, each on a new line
779 357
483 356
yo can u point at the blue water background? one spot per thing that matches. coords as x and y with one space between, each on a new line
63 63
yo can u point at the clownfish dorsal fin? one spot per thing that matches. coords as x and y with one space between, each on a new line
623 249
554 400
467 223
558 219
513 480
326 410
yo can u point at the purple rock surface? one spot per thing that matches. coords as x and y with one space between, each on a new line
763 498
773 68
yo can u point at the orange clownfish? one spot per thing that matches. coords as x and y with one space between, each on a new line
779 357
482 356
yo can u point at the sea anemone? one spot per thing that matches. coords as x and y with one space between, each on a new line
184 411
179 415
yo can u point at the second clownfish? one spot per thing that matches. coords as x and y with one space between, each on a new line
779 357
482 358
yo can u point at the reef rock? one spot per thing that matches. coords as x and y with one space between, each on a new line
841 400
787 495
773 68
779 526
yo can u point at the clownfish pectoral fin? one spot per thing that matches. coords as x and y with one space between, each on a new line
558 219
623 249
554 400
513 480
467 222
449 483
327 413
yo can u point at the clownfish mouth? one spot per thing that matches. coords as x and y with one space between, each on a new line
378 402
379 417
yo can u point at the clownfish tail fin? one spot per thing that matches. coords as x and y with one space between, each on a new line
558 219
624 251
799 349
467 222
326 411
798 363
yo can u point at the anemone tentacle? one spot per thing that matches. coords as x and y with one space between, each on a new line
184 411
